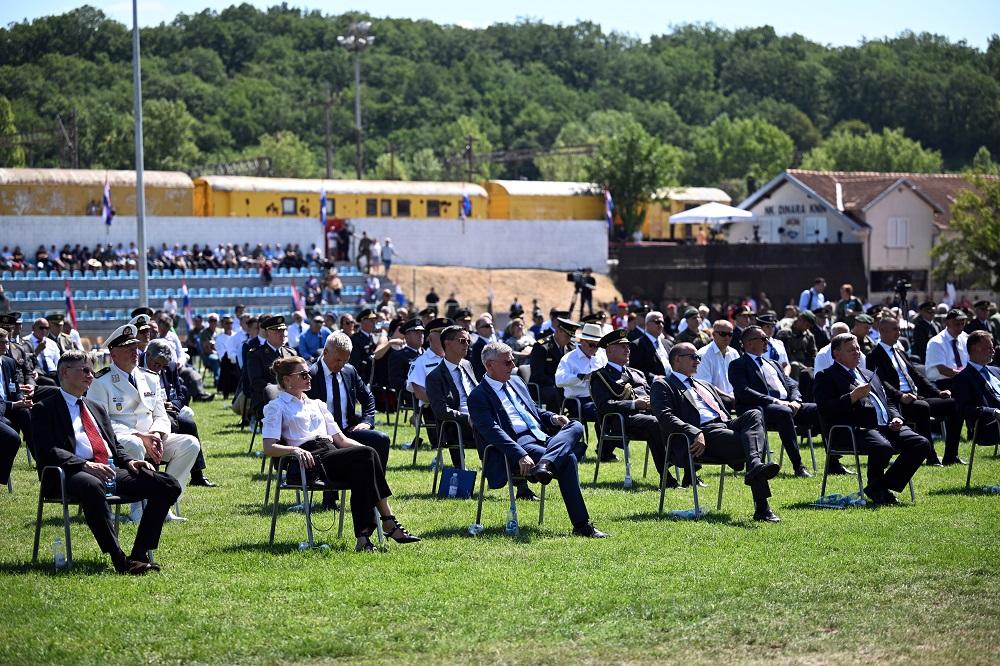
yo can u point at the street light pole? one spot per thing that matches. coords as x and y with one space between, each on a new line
357 40
140 196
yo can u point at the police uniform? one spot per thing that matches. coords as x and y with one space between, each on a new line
544 361
24 361
133 403
363 347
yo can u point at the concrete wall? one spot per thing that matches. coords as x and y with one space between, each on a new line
553 244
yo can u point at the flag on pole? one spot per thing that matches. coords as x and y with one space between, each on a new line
70 308
296 299
465 209
609 209
186 303
106 212
322 208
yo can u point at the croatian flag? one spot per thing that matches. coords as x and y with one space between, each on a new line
70 308
322 207
106 212
609 209
465 209
186 302
296 299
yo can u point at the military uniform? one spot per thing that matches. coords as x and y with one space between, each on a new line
800 348
697 338
544 361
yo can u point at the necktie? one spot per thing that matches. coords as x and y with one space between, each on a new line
96 442
338 412
709 399
3 385
874 401
772 353
656 344
954 350
45 360
901 366
526 416
131 380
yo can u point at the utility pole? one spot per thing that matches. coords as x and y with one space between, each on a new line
357 40
468 157
140 194
328 146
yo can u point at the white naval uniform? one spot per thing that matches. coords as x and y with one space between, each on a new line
135 410
420 368
577 363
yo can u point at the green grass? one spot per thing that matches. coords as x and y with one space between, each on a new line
902 584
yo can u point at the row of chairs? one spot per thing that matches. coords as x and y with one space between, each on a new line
104 274
167 273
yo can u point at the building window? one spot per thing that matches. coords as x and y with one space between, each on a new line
331 207
289 205
898 233
403 208
386 208
433 208
371 207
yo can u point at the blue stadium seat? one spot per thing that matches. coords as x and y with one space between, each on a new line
115 295
101 275
155 273
79 295
91 295
258 292
133 274
30 296
6 275
246 292
56 295
102 294
176 293
157 293
30 275
88 275
77 275
63 275
213 292
232 272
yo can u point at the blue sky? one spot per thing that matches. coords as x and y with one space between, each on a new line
845 22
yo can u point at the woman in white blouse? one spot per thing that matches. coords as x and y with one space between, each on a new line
297 425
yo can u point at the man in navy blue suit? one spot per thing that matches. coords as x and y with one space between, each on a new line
504 415
848 395
976 389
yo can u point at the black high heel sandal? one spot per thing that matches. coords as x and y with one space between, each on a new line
399 534
366 547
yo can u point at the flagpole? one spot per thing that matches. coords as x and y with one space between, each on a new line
140 198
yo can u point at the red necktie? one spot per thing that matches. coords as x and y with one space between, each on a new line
89 427
706 395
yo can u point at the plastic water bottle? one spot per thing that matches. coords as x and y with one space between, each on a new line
511 527
59 554
111 485
303 545
628 480
475 529
453 485
993 490
434 464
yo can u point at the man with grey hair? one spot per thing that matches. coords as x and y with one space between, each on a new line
650 349
824 357
504 416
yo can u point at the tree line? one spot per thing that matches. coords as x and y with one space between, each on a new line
711 106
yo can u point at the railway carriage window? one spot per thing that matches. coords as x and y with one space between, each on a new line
386 208
371 207
288 205
403 208
331 207
433 208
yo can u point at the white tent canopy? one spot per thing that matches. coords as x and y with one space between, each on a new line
713 213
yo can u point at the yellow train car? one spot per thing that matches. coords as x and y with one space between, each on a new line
544 200
246 196
672 200
79 192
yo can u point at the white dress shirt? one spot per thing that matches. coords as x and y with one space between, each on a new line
462 383
224 346
824 359
939 352
659 347
341 393
714 366
48 358
294 331
297 421
771 377
779 347
515 418
576 363
175 343
904 385
83 448
705 412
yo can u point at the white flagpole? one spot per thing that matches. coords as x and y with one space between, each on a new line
140 198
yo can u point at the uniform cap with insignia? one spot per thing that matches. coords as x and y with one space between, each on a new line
11 318
544 335
927 305
429 311
141 321
594 318
616 337
560 314
955 313
463 314
122 336
55 318
744 312
767 319
690 312
639 309
439 324
808 316
864 319
591 333
567 326
981 305
143 310
272 322
367 313
412 325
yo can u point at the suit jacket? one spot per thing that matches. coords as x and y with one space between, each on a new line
832 391
24 362
544 361
443 393
972 396
476 358
361 353
12 392
821 335
399 366
493 427
749 386
259 373
55 441
880 363
608 388
175 391
130 408
358 393
674 405
644 358
923 331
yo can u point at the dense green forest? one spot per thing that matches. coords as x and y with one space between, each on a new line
723 105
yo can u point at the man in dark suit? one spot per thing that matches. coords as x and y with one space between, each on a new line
24 360
449 385
912 393
650 348
821 329
759 383
159 360
400 359
260 379
977 389
545 359
618 389
848 395
925 328
504 416
75 434
684 404
484 331
983 322
13 407
368 344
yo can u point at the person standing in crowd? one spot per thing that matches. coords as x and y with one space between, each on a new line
813 298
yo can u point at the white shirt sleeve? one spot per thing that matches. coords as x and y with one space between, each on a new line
272 420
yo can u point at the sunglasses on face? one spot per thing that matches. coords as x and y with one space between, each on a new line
724 334
693 356
302 375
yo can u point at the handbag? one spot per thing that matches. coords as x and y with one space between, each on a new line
456 483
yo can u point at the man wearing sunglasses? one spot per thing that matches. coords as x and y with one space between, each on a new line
650 347
45 351
573 375
687 405
715 360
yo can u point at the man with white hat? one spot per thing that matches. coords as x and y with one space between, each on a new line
575 368
130 395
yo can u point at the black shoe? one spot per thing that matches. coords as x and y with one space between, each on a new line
836 469
686 483
609 458
153 566
802 473
766 515
204 397
934 463
527 494
671 482
542 472
589 531
880 497
399 534
762 472
954 460
202 481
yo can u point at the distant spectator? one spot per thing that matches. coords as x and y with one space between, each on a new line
388 252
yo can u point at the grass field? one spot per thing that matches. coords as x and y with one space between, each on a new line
902 584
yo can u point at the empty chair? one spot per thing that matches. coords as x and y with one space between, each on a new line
91 295
79 295
101 275
88 275
77 275
56 295
102 294
133 274
114 294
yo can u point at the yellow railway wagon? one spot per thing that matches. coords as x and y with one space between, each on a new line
544 200
246 196
672 200
79 192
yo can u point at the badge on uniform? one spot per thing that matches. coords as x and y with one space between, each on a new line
147 394
118 406
115 379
